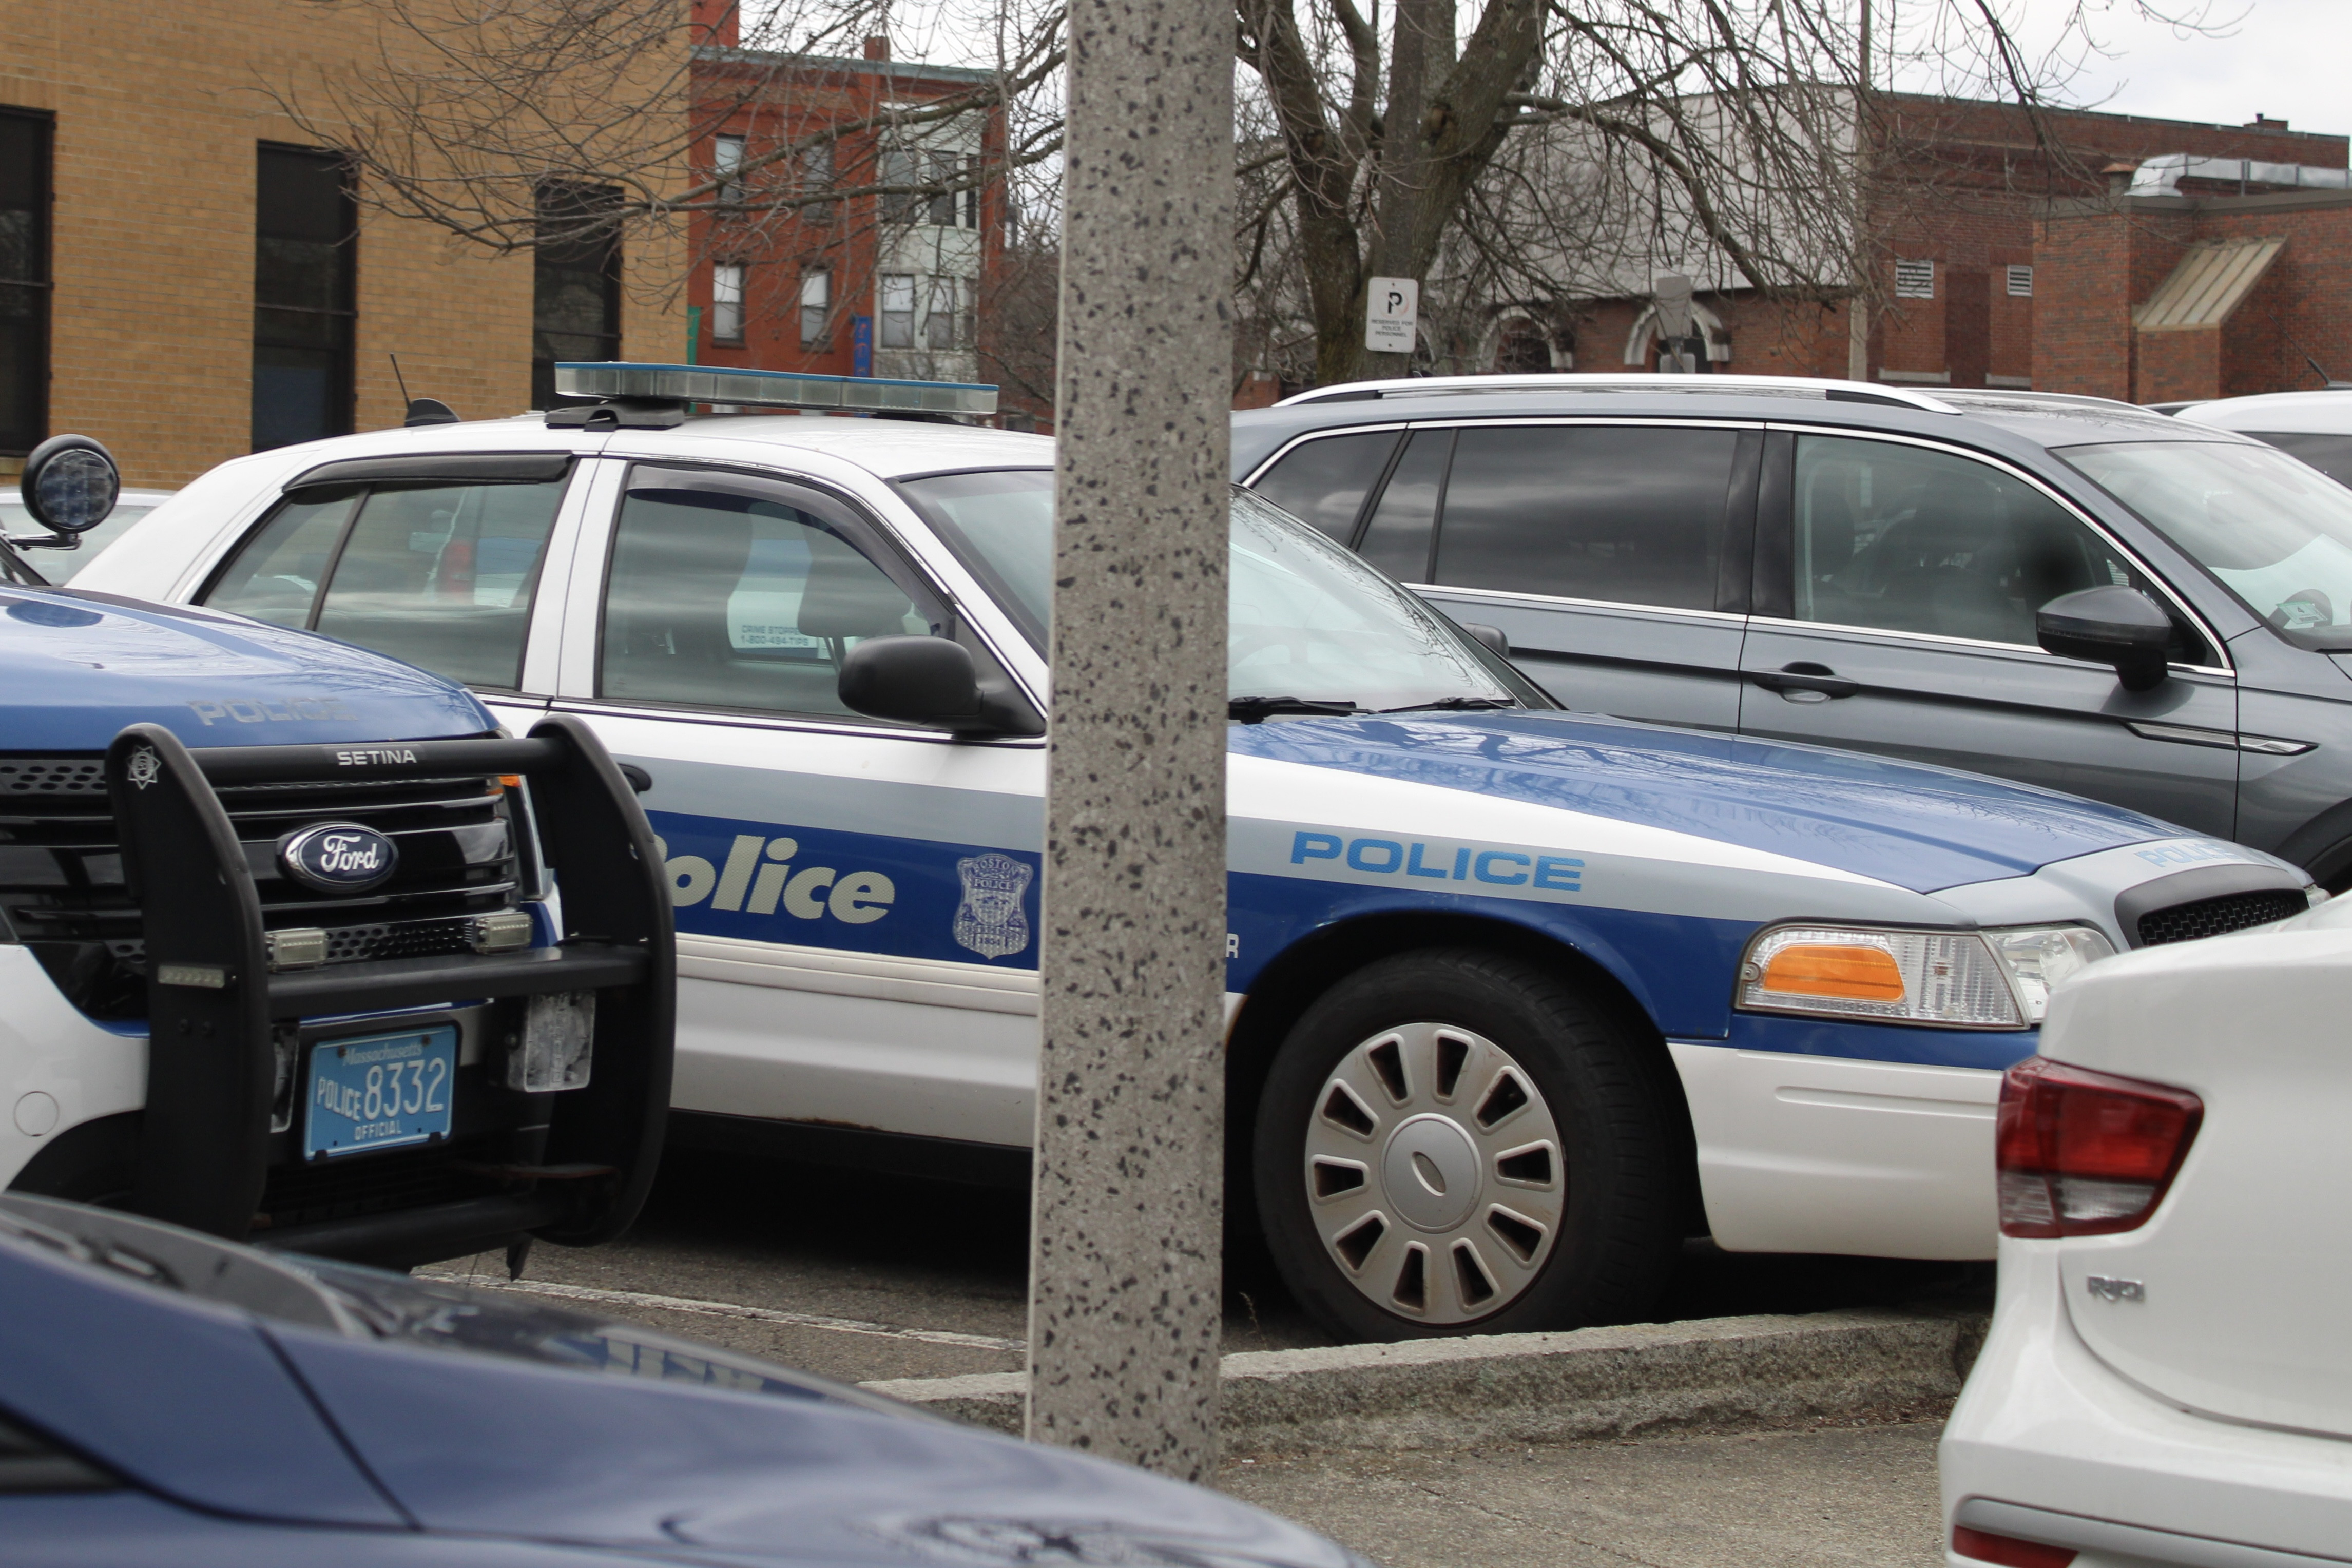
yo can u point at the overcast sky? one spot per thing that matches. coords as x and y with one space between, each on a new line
2290 59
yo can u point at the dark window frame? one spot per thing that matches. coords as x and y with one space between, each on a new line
40 290
567 200
332 328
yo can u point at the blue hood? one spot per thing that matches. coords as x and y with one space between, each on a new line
1916 826
75 668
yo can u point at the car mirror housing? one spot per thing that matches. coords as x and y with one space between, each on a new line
930 681
1492 636
2110 625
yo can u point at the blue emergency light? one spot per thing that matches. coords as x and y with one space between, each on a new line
682 385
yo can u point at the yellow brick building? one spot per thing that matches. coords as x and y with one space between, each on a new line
139 150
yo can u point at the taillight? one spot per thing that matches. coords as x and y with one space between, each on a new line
2086 1153
2007 1550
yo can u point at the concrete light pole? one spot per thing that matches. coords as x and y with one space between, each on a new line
1124 1275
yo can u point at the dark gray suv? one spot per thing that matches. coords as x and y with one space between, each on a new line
2064 590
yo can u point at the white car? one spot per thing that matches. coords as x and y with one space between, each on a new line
1520 997
61 565
2168 1379
2315 425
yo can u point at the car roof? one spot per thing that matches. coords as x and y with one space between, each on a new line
887 448
1995 418
2327 412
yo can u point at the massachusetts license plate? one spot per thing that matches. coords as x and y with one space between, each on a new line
380 1092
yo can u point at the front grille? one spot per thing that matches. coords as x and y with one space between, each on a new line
2214 916
61 886
308 1194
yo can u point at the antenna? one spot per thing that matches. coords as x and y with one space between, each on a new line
398 377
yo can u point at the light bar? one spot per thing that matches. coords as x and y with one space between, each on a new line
771 389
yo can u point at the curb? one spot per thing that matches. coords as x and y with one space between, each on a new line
1640 1379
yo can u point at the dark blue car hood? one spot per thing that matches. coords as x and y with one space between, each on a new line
75 668
1918 827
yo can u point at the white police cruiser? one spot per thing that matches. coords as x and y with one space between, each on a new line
1520 997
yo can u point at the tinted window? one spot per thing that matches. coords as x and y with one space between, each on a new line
24 281
731 598
1323 482
2331 454
1633 515
440 575
1397 538
1910 540
305 252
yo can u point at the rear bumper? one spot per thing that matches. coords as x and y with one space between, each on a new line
406 1237
2047 1443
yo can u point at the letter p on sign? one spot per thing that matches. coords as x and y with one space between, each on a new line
1391 306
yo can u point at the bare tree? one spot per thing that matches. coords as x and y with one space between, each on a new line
1511 140
516 98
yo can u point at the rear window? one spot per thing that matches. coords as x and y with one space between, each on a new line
1323 482
2331 454
440 575
1627 515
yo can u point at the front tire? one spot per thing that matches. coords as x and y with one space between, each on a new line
1453 1141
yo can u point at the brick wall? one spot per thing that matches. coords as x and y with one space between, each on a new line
157 114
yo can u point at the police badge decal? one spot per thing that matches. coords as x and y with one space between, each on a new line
990 920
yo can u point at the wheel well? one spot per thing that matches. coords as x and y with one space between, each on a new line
1287 988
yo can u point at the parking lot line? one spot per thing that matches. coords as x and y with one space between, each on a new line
730 1309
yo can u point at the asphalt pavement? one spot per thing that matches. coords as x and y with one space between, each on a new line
862 1277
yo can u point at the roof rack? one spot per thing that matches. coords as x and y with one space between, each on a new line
1630 381
658 395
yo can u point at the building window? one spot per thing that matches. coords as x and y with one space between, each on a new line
816 308
576 283
816 175
2021 282
901 206
24 281
1914 280
306 251
727 302
897 310
947 323
727 169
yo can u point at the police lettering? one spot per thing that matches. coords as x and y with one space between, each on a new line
759 876
1394 857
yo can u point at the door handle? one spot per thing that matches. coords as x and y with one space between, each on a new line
1805 678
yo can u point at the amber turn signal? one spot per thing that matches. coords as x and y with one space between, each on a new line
1852 970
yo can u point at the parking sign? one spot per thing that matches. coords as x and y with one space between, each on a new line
1391 306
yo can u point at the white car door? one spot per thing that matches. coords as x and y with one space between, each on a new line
857 901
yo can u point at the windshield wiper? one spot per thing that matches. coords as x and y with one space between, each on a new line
1251 710
1459 705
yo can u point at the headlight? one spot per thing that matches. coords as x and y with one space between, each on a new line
1955 980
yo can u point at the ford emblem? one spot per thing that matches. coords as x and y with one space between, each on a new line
338 857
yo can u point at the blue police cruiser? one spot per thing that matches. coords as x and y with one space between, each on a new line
278 953
1520 997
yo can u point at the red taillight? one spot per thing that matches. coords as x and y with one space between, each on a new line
2086 1153
2007 1550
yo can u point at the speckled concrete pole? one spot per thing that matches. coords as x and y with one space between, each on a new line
1123 1315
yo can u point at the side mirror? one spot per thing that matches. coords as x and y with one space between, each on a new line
70 486
1492 636
928 681
2112 625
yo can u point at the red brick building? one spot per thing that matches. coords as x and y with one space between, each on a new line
2003 264
866 283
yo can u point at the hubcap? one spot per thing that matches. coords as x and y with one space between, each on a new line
1433 1173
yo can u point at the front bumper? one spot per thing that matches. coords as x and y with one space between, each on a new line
2048 1443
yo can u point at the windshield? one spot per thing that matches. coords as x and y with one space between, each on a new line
1310 621
2278 534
